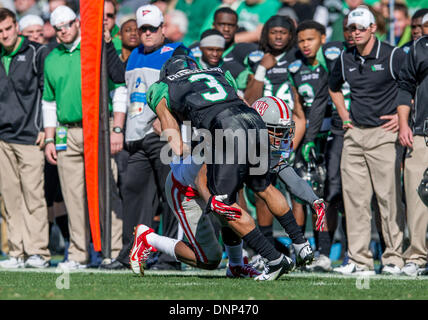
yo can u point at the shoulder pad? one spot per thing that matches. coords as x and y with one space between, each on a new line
256 56
332 53
295 66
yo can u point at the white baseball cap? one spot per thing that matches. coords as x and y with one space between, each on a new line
30 20
425 18
61 15
361 16
149 14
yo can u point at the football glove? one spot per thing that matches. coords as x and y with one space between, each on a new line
216 204
319 207
307 149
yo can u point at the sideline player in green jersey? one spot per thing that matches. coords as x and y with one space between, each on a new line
309 79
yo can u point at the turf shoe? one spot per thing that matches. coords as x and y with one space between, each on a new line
391 269
12 263
410 269
320 264
241 271
353 269
71 265
141 249
274 271
304 253
36 261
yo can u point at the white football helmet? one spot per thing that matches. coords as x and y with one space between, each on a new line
278 118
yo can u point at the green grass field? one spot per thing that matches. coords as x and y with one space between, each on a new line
202 285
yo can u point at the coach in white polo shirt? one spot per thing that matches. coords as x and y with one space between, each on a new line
371 154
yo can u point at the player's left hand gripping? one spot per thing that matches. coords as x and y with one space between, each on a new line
319 207
217 205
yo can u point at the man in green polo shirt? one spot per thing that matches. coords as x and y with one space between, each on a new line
62 103
21 157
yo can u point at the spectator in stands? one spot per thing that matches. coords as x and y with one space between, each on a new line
196 11
176 25
21 141
31 26
24 7
252 16
402 30
110 10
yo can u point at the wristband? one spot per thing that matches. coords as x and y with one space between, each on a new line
260 73
49 140
347 122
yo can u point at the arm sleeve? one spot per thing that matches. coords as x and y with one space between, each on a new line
120 96
296 185
49 113
407 81
115 67
335 79
316 114
397 61
157 91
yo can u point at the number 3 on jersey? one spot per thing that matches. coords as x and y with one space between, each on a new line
211 82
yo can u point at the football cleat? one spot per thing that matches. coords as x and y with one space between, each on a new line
304 253
273 272
141 249
320 264
257 262
241 271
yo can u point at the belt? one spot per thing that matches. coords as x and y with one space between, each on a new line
77 124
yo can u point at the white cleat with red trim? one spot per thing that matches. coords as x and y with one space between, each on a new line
141 249
241 271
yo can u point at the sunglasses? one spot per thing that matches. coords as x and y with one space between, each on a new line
110 15
359 28
150 28
64 26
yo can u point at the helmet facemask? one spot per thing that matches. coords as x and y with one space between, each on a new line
281 136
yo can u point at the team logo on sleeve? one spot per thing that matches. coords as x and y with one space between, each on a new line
295 66
332 53
256 56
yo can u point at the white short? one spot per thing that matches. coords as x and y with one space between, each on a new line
188 208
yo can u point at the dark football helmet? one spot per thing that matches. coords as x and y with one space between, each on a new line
175 64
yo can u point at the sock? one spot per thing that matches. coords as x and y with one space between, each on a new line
235 254
62 222
324 243
163 244
290 226
316 239
258 243
267 232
